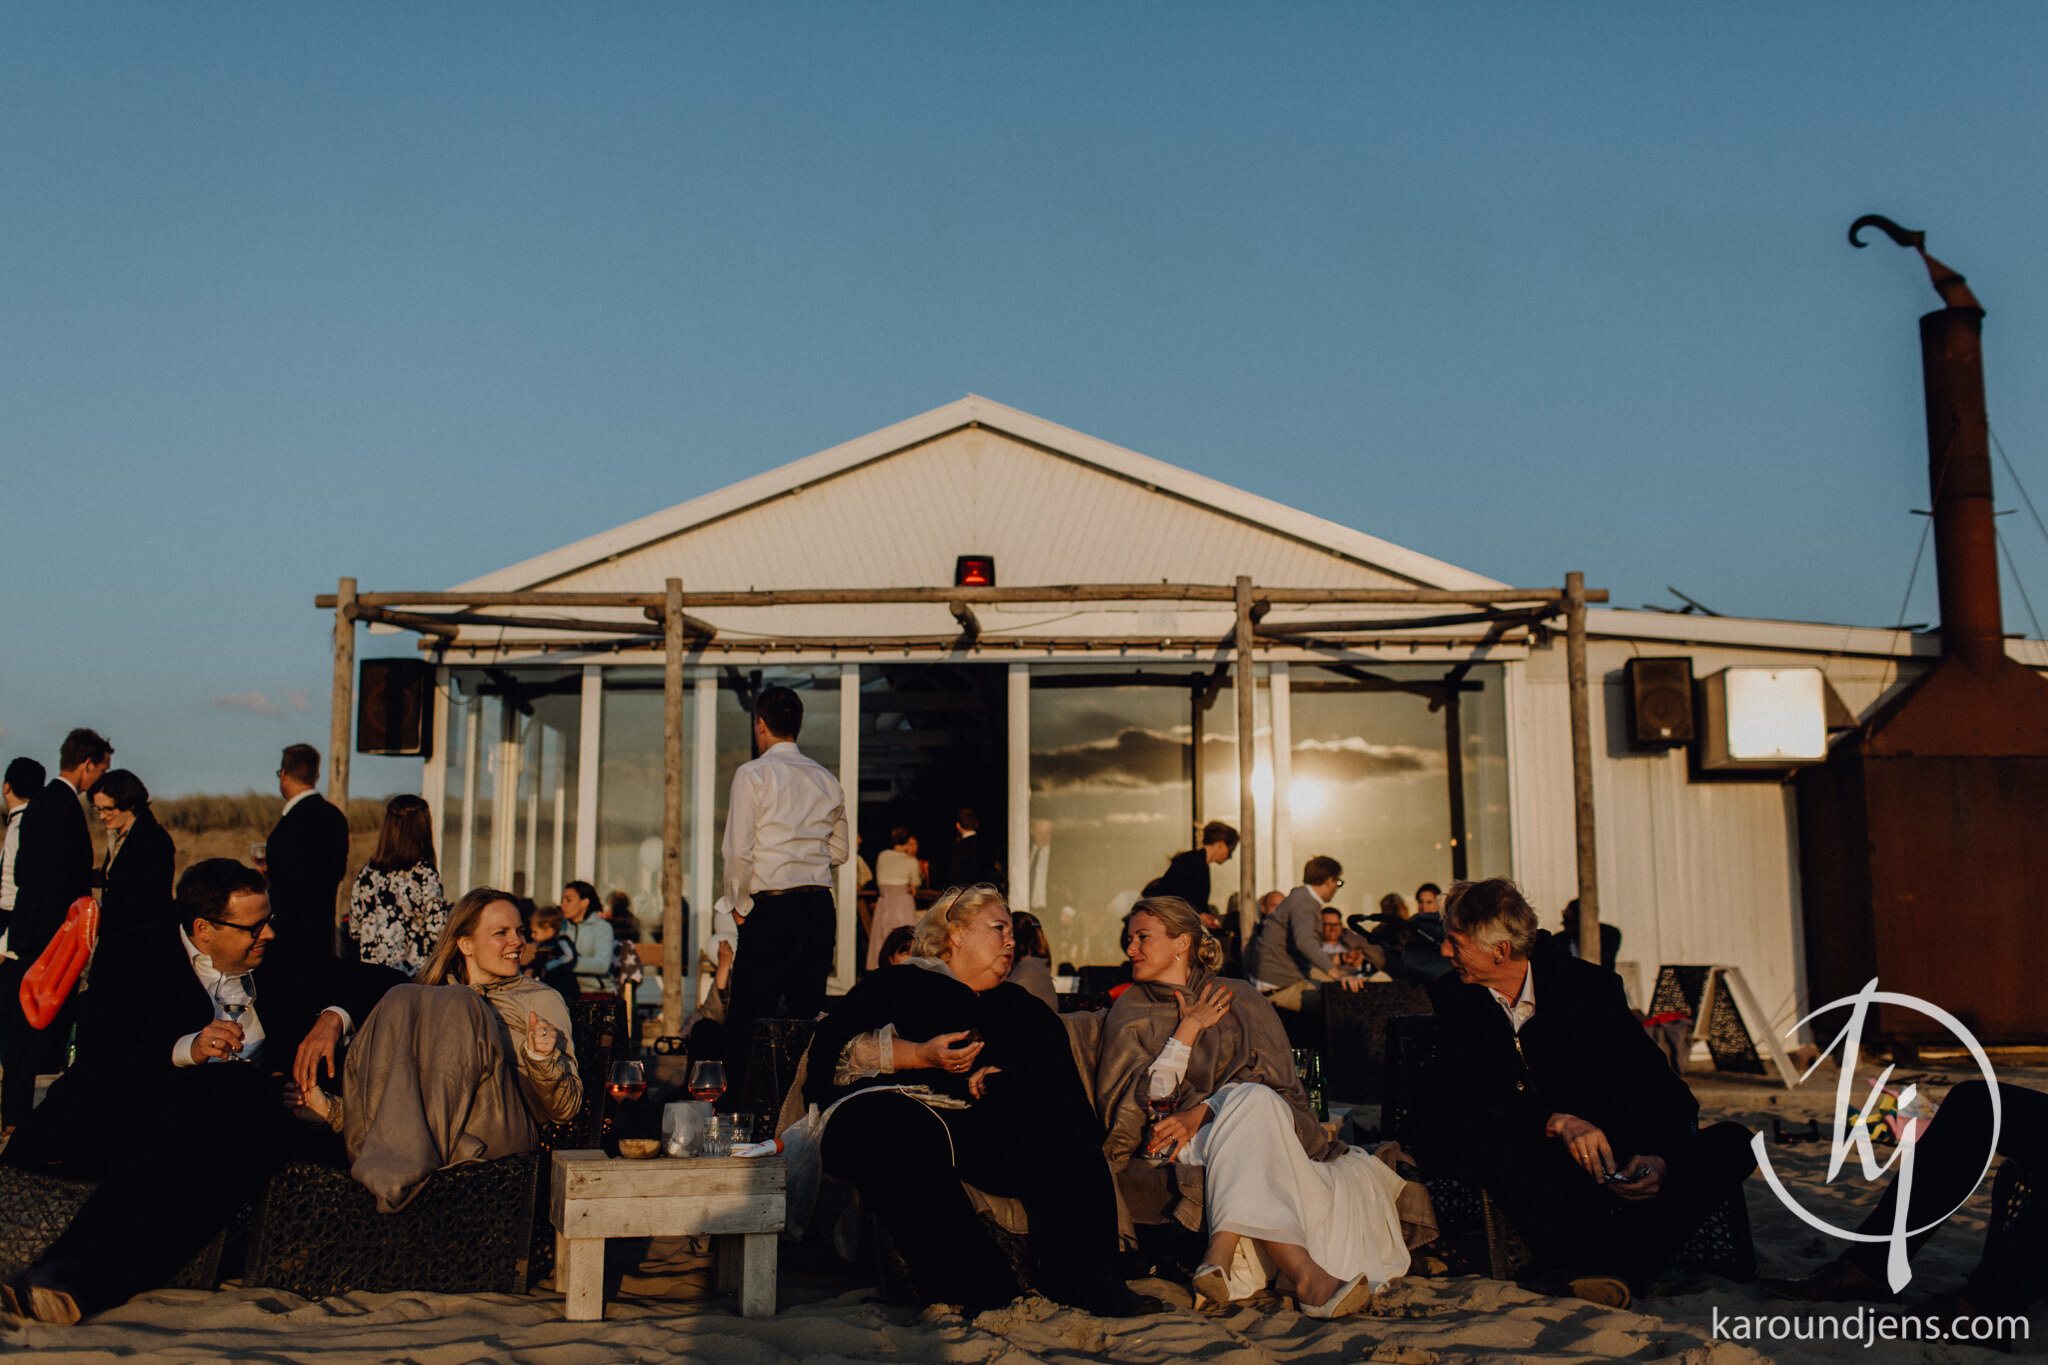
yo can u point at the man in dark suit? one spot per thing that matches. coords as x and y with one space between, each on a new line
53 868
1563 1106
177 1103
306 856
1610 936
968 861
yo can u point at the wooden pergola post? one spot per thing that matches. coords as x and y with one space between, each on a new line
1247 746
339 732
673 960
1582 764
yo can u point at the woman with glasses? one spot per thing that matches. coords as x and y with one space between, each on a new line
135 895
465 1065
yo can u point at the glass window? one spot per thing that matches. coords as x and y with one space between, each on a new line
1376 756
629 787
1113 777
511 790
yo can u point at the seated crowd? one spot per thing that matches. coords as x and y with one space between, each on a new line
207 1048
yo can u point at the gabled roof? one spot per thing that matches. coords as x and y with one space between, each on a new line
1369 553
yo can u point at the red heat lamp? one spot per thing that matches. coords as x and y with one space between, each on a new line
974 571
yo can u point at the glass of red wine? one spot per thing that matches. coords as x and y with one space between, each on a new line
707 1081
628 1081
1161 1106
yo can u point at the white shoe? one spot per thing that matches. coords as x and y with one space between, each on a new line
1354 1294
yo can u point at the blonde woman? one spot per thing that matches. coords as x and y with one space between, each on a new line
938 1071
463 1066
1275 1194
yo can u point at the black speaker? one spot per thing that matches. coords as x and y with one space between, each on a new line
1659 702
395 708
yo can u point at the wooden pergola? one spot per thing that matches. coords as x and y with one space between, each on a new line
665 618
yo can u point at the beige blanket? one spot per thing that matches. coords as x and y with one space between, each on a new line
431 1083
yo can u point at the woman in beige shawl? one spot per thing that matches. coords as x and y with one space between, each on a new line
1237 1148
464 1066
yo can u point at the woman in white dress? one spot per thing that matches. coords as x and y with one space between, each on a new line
1232 1147
897 877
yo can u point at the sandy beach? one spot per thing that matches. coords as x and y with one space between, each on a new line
664 1311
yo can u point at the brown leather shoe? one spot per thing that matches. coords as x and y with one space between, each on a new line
1838 1281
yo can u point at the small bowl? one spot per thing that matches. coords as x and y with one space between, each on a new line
638 1148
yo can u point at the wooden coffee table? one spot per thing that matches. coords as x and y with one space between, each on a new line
737 1201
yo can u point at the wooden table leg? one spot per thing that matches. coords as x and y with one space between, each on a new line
757 1276
579 1274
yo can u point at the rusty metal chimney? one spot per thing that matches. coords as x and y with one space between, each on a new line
1921 861
1958 458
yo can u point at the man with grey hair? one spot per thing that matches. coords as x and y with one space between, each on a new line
1564 1108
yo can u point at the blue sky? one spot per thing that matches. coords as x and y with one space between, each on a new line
415 291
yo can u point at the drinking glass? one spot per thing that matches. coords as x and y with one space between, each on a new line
1161 1106
707 1081
629 1080
236 994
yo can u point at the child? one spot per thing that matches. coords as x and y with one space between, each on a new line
554 954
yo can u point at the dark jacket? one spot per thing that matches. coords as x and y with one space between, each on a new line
968 861
306 858
136 899
1582 1053
1187 877
52 869
141 1001
1038 1082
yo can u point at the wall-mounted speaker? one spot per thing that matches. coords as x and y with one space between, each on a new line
1659 702
395 708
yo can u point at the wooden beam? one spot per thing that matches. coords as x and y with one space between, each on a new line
1201 646
970 624
691 625
672 960
1582 765
339 731
425 625
1247 744
1285 629
1070 592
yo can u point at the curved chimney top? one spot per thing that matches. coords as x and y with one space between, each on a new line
1947 283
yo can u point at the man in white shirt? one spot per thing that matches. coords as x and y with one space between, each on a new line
785 830
25 777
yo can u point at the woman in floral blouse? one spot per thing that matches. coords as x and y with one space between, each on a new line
397 908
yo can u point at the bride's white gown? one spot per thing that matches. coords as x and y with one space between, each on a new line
1258 1183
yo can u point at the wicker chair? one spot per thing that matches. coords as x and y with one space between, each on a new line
1722 1245
35 1208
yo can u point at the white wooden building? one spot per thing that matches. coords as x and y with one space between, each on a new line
1092 737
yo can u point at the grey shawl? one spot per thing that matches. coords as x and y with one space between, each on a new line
432 1082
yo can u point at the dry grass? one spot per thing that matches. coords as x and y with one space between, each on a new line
204 827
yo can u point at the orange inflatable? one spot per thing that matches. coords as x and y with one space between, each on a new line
48 982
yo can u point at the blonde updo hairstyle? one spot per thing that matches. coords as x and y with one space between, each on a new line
1180 920
956 909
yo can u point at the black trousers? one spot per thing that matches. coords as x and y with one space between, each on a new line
1577 1225
907 1161
26 1052
1946 1165
173 1166
778 971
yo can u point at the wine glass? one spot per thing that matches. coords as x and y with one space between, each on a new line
628 1081
707 1081
1161 1106
236 994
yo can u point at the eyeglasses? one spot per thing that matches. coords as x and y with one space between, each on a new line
252 930
104 811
